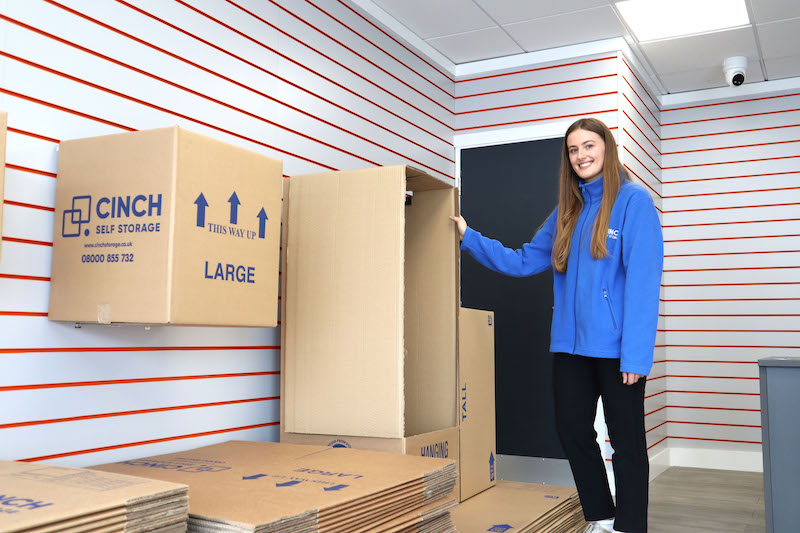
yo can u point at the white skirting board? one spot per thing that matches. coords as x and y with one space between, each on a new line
717 459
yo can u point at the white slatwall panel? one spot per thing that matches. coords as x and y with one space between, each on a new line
732 281
639 137
538 94
314 83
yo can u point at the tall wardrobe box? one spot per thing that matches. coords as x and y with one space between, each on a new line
476 401
370 304
165 226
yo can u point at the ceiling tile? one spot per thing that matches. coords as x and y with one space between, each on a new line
435 18
705 78
561 30
771 10
699 51
779 39
508 11
476 45
784 67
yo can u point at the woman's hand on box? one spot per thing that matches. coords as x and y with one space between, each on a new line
461 224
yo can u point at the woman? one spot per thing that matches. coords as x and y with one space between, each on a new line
605 246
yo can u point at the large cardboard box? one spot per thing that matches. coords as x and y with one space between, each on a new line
3 126
371 304
476 401
165 226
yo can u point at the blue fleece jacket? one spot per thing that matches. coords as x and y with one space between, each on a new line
603 307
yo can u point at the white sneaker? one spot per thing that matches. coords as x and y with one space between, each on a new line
594 527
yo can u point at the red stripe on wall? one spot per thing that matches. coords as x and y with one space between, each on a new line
65 109
732 192
730 117
716 440
655 427
713 424
657 443
731 147
713 408
29 169
144 442
588 113
538 86
538 69
731 222
736 253
23 313
733 162
715 392
131 349
129 381
739 315
730 331
733 284
709 361
24 277
527 104
136 412
733 177
760 346
34 135
29 206
730 207
729 132
732 238
26 241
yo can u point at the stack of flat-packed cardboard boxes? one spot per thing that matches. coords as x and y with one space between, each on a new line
53 499
260 487
522 508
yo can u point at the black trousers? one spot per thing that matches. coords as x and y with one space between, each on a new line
578 383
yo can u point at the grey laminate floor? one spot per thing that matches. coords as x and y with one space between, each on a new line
699 500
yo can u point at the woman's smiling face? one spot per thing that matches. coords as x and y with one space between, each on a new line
586 154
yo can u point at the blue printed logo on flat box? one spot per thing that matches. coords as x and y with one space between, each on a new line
491 466
490 320
500 528
74 219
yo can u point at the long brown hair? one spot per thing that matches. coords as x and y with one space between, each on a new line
570 201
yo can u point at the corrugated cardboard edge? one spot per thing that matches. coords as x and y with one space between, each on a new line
284 274
3 128
172 214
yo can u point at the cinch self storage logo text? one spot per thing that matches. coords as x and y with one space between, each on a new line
110 212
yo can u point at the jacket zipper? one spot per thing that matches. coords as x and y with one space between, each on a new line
610 309
588 209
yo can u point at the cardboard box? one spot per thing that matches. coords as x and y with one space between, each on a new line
266 486
165 226
476 401
3 126
37 497
370 304
521 507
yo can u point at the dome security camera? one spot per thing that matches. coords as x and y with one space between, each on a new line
735 69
